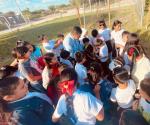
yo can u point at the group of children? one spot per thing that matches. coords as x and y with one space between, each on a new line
77 79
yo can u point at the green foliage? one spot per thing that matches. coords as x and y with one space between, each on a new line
147 5
52 9
27 13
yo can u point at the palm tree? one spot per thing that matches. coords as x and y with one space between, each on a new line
76 4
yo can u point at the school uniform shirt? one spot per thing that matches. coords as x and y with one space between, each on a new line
124 97
105 33
49 46
33 109
140 69
117 37
66 62
86 107
19 75
82 73
103 53
72 45
144 107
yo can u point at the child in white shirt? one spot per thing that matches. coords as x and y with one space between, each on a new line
116 35
82 108
125 91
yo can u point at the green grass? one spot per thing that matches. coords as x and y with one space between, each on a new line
63 25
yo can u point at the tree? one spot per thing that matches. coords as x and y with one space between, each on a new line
77 4
52 9
27 13
147 13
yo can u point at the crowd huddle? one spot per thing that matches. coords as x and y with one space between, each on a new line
79 79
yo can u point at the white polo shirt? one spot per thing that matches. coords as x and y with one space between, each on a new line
124 97
86 107
103 53
117 36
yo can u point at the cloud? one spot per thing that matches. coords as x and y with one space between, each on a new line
45 1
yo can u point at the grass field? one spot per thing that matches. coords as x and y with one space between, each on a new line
63 25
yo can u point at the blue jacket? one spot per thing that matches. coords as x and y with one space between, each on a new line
32 111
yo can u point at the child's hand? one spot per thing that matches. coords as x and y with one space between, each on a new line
135 105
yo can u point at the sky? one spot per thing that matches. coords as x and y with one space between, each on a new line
10 5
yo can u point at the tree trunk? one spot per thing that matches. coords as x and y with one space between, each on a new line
78 14
108 11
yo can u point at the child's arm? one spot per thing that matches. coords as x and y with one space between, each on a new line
14 63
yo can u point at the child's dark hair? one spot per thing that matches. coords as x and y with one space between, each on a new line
65 54
8 85
97 69
20 50
77 30
131 117
102 21
125 33
85 40
133 39
115 23
48 57
145 86
22 43
121 75
94 33
99 42
25 43
69 74
79 56
7 70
